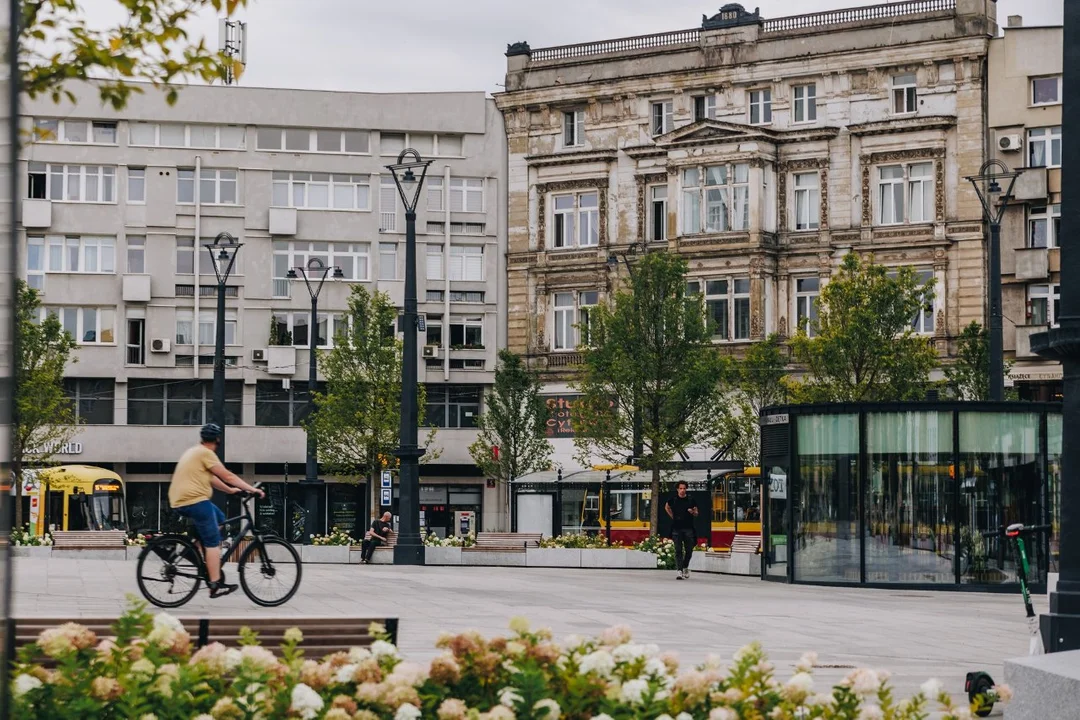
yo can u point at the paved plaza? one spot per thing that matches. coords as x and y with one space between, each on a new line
914 635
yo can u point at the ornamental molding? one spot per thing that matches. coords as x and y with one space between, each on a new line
643 182
788 167
867 160
599 184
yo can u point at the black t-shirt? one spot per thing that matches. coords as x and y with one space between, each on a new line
380 527
680 511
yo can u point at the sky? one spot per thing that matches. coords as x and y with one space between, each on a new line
430 45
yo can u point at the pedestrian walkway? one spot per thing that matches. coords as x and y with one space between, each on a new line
914 635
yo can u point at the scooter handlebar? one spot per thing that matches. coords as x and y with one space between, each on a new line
1017 529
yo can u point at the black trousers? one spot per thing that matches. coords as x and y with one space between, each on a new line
367 548
684 546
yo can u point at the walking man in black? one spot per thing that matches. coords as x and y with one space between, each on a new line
376 536
682 509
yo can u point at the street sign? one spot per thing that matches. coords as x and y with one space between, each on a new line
386 497
385 479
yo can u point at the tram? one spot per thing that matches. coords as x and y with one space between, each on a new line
730 505
75 497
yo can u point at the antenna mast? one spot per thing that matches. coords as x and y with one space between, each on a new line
232 42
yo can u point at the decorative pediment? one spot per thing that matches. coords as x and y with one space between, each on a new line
731 15
714 131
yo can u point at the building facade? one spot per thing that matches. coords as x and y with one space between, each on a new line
1024 132
119 204
762 150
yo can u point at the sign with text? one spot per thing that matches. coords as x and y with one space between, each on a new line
385 479
561 415
70 448
385 497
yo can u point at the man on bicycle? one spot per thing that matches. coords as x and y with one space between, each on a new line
197 473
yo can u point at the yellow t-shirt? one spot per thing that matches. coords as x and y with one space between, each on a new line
191 478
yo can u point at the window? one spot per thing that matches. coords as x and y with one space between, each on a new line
35 262
704 107
352 258
457 228
183 327
434 334
663 113
658 213
572 313
904 94
73 183
296 325
806 298
181 402
427 144
136 186
464 363
91 399
388 261
434 262
185 258
577 220
74 131
807 201
916 205
435 296
466 263
467 332
1044 305
717 307
1044 147
722 205
136 253
86 325
216 187
136 341
574 128
466 296
276 406
924 319
805 103
742 309
388 197
69 254
1044 226
725 309
466 195
761 107
208 327
214 137
452 406
435 196
321 191
1046 90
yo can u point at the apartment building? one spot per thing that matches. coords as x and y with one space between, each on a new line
119 204
763 150
1024 132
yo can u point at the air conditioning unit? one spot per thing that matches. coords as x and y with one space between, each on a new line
1010 143
258 355
160 345
431 351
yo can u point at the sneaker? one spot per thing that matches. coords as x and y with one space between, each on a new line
220 589
678 574
686 573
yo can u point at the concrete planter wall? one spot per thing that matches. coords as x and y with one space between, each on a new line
442 556
493 557
735 564
325 554
621 559
31 551
553 557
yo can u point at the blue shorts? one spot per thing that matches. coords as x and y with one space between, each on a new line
207 517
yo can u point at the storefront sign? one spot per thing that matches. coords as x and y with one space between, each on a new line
1051 374
385 479
778 487
561 414
778 419
385 497
71 448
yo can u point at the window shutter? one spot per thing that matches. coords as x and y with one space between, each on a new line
474 266
457 196
475 199
456 264
434 263
387 196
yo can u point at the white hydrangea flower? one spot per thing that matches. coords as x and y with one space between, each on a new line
931 688
509 697
862 681
628 652
232 659
684 716
871 712
656 666
602 716
381 648
599 661
806 662
634 690
24 684
359 654
306 702
345 674
552 707
801 683
407 711
723 714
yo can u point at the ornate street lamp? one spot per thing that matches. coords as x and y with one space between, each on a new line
223 250
409 173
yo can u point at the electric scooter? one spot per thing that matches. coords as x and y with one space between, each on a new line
979 684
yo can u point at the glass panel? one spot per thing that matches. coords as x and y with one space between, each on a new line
1053 490
909 522
999 485
826 511
328 140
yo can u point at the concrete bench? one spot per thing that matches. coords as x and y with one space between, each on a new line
505 542
322 636
89 540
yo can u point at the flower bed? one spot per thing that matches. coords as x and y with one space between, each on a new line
25 538
664 550
149 672
136 540
579 541
433 540
336 537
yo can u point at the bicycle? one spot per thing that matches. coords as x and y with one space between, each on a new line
180 568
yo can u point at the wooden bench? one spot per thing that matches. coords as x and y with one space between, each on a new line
388 546
322 636
746 544
505 542
89 540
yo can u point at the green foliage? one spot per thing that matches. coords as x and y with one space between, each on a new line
277 337
43 417
864 348
58 45
650 374
968 378
514 421
761 380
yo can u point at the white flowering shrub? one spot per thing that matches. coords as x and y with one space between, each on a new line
136 540
664 549
336 537
433 540
582 541
148 671
25 538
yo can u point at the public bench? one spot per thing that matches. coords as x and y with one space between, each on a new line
388 546
322 636
89 540
749 544
505 542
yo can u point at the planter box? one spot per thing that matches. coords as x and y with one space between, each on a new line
493 557
95 554
383 556
618 559
748 564
553 557
325 554
31 551
133 552
442 556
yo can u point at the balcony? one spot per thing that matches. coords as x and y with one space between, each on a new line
281 360
137 288
282 221
36 214
1032 264
1023 339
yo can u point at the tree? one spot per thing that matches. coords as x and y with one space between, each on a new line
760 381
357 418
512 441
863 346
969 375
650 376
57 46
43 418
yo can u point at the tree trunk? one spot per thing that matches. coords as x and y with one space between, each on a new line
654 506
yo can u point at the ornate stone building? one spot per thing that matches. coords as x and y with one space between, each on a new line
761 149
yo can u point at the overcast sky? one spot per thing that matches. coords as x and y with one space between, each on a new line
432 45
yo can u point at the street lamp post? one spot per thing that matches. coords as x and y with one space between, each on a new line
1061 627
223 250
314 275
409 549
988 187
639 444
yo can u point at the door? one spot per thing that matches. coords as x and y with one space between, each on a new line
535 514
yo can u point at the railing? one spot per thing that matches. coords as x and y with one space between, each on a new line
565 359
388 221
639 42
858 14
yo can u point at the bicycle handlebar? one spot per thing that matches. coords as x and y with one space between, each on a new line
1017 529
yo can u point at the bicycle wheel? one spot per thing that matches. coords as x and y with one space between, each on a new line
169 571
270 571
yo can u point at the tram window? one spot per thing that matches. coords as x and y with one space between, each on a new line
645 508
622 506
592 502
